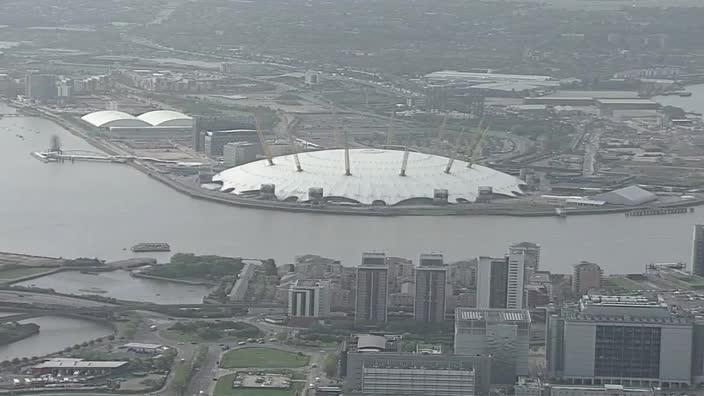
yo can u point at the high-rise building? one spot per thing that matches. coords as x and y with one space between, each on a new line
516 278
531 253
502 333
492 282
622 340
309 298
586 277
372 289
698 250
215 141
431 289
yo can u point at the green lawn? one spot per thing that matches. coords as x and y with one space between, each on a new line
257 357
20 272
224 388
621 282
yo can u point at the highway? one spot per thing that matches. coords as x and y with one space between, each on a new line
39 299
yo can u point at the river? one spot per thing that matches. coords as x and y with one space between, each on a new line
55 334
120 285
99 210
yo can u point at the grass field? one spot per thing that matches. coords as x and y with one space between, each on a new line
19 272
224 388
621 282
256 357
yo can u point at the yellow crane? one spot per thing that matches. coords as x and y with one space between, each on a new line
475 146
454 154
441 129
294 149
265 147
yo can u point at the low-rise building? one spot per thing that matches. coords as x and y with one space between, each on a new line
68 367
139 347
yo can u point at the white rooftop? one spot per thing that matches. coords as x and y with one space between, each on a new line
106 118
79 363
166 117
374 177
140 345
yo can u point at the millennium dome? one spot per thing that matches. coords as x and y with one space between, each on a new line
374 177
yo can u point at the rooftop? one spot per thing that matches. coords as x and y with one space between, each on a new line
492 315
140 345
79 364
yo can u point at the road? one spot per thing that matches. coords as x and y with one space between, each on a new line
39 299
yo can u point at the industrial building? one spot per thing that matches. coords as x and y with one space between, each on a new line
374 371
502 333
215 141
69 366
368 176
624 340
372 289
627 196
586 277
492 282
158 124
431 289
309 298
239 153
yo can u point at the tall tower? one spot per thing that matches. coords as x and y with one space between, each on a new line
372 289
698 250
516 279
492 282
431 285
531 253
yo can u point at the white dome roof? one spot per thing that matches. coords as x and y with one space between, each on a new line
113 118
166 118
375 176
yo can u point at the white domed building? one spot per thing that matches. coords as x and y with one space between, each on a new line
374 178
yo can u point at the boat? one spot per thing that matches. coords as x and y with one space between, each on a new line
684 94
151 247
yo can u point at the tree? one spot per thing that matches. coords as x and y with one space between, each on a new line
330 366
270 267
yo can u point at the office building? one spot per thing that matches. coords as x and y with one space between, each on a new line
492 282
370 369
516 278
215 141
623 340
586 277
40 86
309 298
502 333
401 270
238 153
531 254
372 289
698 250
431 289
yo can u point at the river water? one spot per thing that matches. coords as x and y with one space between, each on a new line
120 285
55 334
99 210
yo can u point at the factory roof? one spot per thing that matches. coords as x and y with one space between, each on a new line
113 118
368 342
492 315
374 177
166 118
79 364
629 196
625 101
139 345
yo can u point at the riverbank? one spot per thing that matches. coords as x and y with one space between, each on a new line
173 280
10 332
513 209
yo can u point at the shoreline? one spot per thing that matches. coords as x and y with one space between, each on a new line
445 210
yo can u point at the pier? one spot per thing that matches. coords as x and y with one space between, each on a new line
82 155
660 211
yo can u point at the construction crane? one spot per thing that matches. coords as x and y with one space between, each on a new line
475 146
294 149
390 132
265 147
454 154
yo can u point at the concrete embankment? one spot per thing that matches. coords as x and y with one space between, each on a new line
174 280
